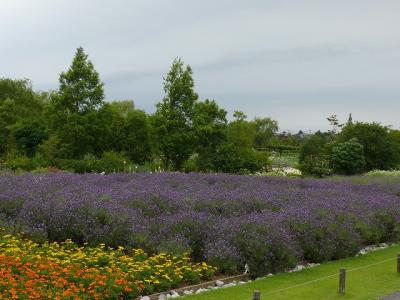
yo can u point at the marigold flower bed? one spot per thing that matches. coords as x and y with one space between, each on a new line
65 271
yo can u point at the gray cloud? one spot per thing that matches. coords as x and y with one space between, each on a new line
297 61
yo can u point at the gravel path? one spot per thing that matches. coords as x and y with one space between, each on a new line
395 296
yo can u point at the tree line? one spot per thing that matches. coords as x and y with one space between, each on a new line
74 127
350 148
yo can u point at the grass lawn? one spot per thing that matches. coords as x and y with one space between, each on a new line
366 282
286 159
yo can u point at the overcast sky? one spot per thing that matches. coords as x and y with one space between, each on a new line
295 61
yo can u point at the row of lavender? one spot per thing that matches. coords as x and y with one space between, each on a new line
269 223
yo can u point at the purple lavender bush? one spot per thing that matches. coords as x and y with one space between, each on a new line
269 223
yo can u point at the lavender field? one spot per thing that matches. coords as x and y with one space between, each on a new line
269 223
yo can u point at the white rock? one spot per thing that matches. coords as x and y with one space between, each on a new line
201 291
372 248
188 292
229 285
219 283
297 268
241 282
162 297
145 298
270 274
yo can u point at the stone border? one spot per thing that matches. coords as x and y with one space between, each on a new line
197 288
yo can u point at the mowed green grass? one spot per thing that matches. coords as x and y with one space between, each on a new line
367 282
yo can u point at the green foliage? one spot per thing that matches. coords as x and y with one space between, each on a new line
74 129
73 165
122 108
28 135
241 133
19 163
266 129
381 147
209 122
348 157
173 120
77 115
80 86
50 150
112 162
314 155
18 102
236 154
137 142
130 132
109 162
243 160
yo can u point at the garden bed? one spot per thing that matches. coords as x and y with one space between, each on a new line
271 224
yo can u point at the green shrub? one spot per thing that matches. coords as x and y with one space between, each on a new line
381 144
232 159
72 165
314 155
348 157
318 167
112 162
20 163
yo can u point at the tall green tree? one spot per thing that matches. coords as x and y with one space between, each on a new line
266 128
77 114
241 132
237 154
210 131
80 86
173 120
18 102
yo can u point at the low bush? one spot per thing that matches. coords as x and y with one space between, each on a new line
19 163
